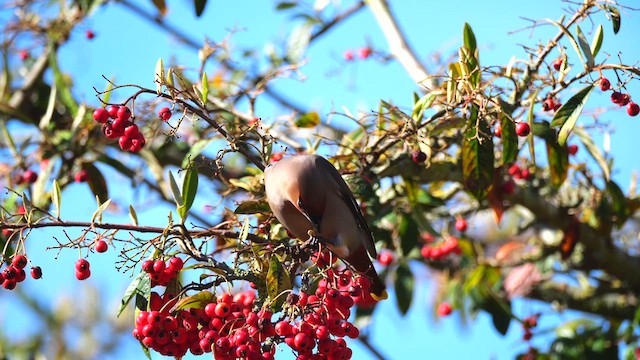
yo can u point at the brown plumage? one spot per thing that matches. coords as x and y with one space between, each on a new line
306 193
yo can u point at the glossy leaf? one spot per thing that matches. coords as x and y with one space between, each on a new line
477 156
205 88
615 17
284 5
278 281
308 120
596 43
509 139
197 301
96 181
403 286
469 38
133 215
159 75
586 48
97 215
572 40
199 6
189 190
141 285
567 116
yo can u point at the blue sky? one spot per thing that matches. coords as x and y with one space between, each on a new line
127 48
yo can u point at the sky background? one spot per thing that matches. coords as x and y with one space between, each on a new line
127 47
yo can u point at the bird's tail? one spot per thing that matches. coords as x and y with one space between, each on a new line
360 261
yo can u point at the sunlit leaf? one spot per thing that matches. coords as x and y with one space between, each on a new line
189 190
567 116
421 105
133 215
469 38
586 48
615 17
596 43
97 215
205 88
252 207
278 281
298 42
404 285
572 40
175 191
46 118
530 118
141 285
159 75
197 301
56 196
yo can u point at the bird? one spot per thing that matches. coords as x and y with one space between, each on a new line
309 197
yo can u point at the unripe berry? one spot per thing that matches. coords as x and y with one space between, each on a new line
101 115
522 129
605 84
633 109
101 246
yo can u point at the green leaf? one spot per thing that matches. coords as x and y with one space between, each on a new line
195 151
284 5
477 156
133 215
96 181
596 43
573 41
175 191
141 285
199 6
558 157
594 152
278 281
158 77
308 120
189 190
530 118
197 301
66 97
408 233
252 207
509 139
421 105
567 116
56 197
469 38
205 88
586 48
615 17
48 114
403 285
97 215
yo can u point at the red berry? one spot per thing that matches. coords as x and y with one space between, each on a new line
101 246
89 34
101 115
573 149
123 113
137 143
548 104
9 273
19 261
29 177
159 266
175 264
83 275
385 258
497 131
165 113
364 52
36 272
147 266
418 157
124 142
131 131
444 309
23 55
509 187
605 84
557 64
348 55
110 132
222 310
461 224
82 265
113 111
9 284
522 129
303 342
275 157
633 109
81 176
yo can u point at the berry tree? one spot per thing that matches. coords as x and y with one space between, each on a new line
481 147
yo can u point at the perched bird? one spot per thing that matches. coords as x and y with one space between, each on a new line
308 196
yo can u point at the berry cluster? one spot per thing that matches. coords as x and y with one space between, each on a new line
528 324
441 250
551 104
518 173
14 273
363 53
27 177
83 269
619 98
162 273
121 128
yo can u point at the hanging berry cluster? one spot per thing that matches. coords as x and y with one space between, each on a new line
14 273
116 125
